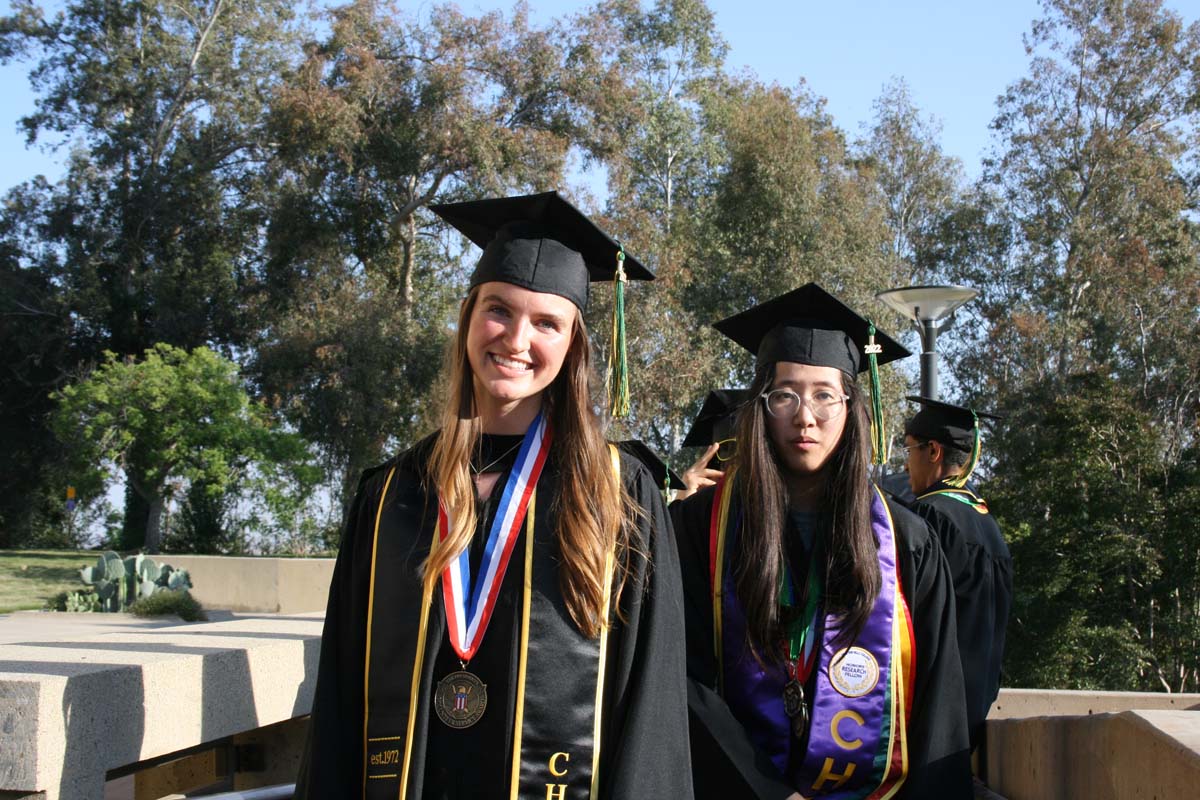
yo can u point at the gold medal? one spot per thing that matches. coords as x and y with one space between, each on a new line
460 699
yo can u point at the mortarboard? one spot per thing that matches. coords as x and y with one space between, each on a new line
950 425
808 325
539 242
543 243
663 475
715 420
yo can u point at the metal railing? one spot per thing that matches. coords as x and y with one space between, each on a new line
283 791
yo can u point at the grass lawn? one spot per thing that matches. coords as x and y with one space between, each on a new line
28 578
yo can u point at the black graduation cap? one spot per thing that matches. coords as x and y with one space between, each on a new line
658 470
944 422
539 242
809 326
716 418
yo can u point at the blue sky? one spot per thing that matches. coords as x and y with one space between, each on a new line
956 57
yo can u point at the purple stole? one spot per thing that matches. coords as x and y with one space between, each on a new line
857 744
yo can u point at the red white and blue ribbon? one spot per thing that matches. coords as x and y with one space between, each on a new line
467 621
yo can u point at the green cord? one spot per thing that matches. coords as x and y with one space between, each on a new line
878 435
618 376
959 481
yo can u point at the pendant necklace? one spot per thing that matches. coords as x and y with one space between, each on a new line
799 648
496 461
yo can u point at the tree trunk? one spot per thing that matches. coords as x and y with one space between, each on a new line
154 525
133 525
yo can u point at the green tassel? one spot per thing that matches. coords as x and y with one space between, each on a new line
959 481
878 435
618 367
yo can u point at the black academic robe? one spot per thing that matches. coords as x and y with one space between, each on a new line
725 761
644 745
981 568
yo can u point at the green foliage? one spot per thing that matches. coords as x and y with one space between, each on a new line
151 234
1084 244
172 417
177 602
234 190
83 601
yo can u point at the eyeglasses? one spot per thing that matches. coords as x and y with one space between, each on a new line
726 449
824 404
910 447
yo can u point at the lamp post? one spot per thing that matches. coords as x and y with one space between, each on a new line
931 310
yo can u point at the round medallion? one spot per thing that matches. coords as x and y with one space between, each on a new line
460 699
853 671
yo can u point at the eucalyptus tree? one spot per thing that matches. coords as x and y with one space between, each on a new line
1091 305
389 112
154 230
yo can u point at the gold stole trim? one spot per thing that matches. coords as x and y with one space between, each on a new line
726 490
370 617
604 628
418 660
966 492
519 718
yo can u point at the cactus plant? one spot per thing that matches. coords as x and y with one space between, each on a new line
119 582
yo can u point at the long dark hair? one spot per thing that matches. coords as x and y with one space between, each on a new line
852 579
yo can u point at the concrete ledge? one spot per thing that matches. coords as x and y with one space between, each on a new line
1020 703
73 709
273 585
1126 756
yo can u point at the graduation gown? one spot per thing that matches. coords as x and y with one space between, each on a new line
981 568
726 763
643 745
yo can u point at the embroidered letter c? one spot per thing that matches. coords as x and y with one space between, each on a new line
852 744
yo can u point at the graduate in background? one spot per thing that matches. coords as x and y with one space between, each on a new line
505 617
821 640
942 447
667 479
713 429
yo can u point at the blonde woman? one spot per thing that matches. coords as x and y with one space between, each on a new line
505 618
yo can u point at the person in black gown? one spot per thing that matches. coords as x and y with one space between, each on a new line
505 617
822 655
712 429
942 443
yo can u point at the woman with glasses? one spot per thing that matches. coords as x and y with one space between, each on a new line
821 638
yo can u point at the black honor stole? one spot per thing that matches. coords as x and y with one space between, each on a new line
556 740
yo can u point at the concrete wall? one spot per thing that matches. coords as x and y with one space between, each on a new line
1023 703
1063 745
273 585
73 708
1134 755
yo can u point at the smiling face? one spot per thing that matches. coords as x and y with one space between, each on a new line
803 442
517 340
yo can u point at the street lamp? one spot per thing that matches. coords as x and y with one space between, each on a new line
930 308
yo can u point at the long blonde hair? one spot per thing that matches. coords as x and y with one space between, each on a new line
593 512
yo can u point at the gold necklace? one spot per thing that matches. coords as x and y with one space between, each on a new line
485 468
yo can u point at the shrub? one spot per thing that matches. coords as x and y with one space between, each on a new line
182 604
